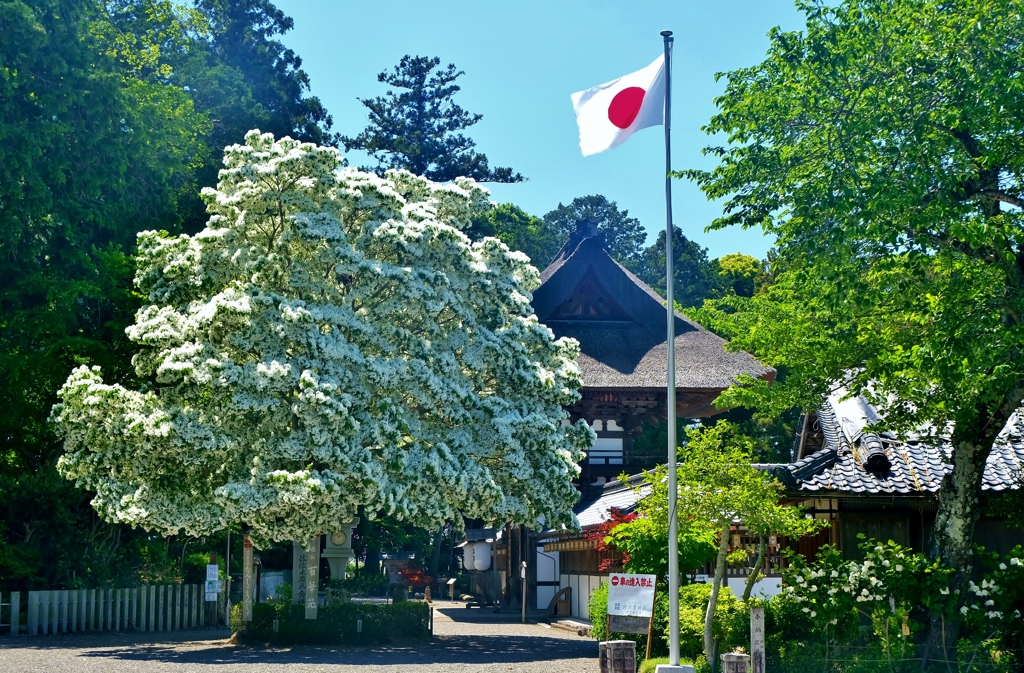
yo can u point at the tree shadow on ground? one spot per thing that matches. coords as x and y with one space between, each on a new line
452 649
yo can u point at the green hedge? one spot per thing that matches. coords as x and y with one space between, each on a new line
335 624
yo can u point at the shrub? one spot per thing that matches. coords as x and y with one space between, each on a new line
356 583
731 626
193 571
335 624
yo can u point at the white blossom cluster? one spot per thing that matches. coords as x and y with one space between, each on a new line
331 339
892 576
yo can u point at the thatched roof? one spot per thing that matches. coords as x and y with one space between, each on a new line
620 324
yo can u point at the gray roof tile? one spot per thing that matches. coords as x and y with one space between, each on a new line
916 467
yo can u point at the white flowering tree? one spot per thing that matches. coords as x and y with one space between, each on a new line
331 339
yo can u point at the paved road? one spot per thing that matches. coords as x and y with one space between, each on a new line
464 640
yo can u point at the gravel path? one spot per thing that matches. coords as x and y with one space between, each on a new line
464 640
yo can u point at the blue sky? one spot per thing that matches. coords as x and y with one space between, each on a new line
522 61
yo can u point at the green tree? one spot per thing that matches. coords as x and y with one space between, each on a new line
882 148
226 56
694 278
114 113
717 486
624 235
520 231
737 274
418 128
90 155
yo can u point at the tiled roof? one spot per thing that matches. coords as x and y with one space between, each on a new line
596 508
631 353
915 467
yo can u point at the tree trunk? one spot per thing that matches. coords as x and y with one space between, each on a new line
435 554
958 512
709 616
372 564
762 548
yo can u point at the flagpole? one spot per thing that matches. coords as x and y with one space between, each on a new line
673 535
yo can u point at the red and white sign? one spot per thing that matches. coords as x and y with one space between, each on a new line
631 595
610 113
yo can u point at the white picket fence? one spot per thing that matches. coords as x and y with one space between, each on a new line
171 607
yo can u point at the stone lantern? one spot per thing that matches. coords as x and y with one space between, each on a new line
338 550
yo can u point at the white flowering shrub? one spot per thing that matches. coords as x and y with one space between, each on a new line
999 600
331 339
833 594
896 587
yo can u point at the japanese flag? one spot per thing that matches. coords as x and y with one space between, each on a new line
611 112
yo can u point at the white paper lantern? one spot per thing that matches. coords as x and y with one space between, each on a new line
468 561
481 555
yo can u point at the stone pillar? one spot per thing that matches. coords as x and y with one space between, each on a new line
312 576
247 579
618 656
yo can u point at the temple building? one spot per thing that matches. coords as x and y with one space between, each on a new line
619 323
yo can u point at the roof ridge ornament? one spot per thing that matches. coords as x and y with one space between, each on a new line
587 228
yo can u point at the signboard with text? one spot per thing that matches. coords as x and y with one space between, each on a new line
631 595
212 583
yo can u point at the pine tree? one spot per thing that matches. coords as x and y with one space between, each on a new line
418 127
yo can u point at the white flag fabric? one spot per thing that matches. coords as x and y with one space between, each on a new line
611 112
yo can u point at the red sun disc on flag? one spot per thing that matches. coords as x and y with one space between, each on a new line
625 106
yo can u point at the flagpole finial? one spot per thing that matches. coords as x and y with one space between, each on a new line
666 33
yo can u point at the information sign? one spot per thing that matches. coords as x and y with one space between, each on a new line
631 595
212 583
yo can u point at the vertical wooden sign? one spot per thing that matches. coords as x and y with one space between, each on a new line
756 640
312 576
246 578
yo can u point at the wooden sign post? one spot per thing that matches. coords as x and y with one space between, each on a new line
246 578
631 605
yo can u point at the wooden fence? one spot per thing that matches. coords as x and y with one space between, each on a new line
171 607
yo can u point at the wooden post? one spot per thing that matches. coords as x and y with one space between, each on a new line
44 612
143 594
33 613
650 624
247 578
756 640
186 589
177 607
161 610
15 613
